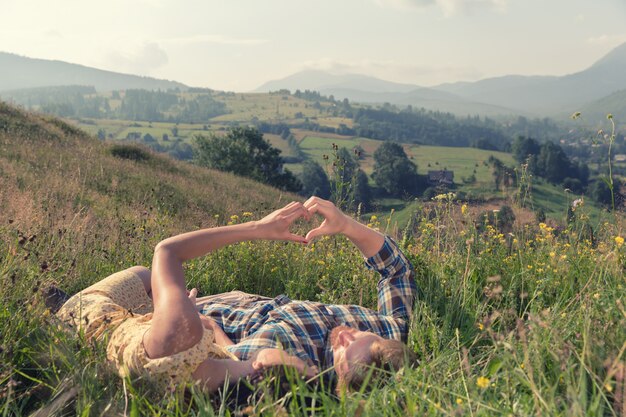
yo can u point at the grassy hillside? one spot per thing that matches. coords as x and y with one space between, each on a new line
464 162
54 174
518 321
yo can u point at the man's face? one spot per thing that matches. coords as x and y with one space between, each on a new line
350 346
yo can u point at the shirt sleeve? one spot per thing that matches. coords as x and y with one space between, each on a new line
396 288
270 335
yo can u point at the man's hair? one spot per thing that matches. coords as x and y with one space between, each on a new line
386 357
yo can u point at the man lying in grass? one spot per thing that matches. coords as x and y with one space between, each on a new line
348 339
158 335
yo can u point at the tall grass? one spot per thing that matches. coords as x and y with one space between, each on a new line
530 322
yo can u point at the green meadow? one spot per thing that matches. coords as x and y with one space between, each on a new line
525 321
464 162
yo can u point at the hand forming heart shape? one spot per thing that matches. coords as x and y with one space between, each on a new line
276 224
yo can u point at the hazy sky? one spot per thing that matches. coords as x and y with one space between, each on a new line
239 44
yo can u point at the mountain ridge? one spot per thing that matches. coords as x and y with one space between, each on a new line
538 95
20 72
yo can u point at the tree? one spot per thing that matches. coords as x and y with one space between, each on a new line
552 163
393 171
346 165
503 176
349 184
601 192
362 191
523 147
243 151
314 180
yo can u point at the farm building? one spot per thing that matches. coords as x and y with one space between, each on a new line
441 178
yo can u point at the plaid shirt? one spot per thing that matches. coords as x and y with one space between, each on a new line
302 327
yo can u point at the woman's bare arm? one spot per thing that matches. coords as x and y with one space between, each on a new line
176 325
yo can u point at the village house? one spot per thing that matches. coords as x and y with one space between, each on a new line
441 178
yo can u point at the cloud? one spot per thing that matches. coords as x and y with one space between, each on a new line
52 33
611 40
404 4
216 39
141 60
448 7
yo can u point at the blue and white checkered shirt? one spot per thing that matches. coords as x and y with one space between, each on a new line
302 328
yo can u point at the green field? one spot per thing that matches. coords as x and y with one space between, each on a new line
245 107
462 161
521 322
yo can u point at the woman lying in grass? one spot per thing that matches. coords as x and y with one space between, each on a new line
156 332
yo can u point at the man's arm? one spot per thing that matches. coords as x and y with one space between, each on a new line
396 288
369 241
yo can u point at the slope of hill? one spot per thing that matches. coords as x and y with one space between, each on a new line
22 72
96 183
549 94
321 80
614 104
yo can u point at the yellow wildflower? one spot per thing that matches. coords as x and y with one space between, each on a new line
619 241
552 254
234 217
247 214
459 401
482 382
373 218
608 387
464 209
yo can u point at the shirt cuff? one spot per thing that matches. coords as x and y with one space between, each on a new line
386 258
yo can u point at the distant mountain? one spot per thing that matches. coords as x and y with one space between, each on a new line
549 95
366 89
510 94
18 72
321 80
427 98
596 111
